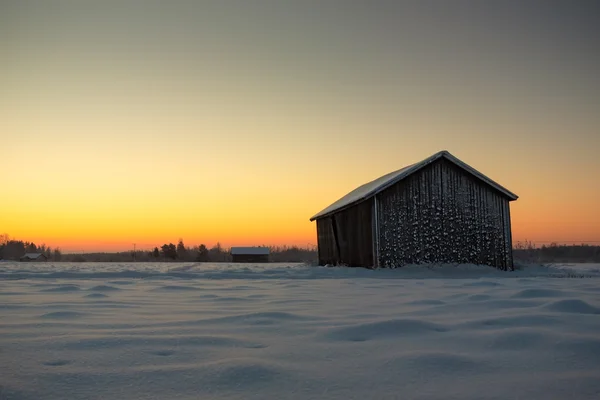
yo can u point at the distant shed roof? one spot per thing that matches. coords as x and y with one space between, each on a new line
33 256
372 188
255 251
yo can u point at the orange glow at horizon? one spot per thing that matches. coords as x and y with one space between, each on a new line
252 213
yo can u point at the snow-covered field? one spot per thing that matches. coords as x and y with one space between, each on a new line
209 331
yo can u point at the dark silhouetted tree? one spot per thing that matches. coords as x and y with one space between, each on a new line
202 255
30 247
169 251
218 254
155 253
57 255
181 250
12 250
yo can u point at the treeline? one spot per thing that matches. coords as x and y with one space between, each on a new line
179 252
557 253
11 249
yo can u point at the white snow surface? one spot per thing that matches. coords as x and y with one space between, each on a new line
293 331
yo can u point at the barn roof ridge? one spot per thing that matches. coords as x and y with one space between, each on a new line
376 186
33 254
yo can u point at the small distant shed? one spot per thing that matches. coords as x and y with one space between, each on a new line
439 210
250 254
34 257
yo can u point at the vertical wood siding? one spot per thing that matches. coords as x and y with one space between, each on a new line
443 214
328 253
250 258
346 237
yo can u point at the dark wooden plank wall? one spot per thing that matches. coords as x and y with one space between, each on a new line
443 214
328 252
250 258
346 237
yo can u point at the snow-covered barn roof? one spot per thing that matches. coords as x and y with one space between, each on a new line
254 251
372 188
33 256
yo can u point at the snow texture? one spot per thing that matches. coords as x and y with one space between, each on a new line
231 331
372 188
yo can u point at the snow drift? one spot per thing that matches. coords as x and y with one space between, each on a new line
216 331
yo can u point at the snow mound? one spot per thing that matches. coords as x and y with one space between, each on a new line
96 295
573 306
517 339
63 315
62 289
243 375
104 288
176 288
435 362
537 293
384 330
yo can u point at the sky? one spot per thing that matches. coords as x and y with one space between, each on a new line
144 122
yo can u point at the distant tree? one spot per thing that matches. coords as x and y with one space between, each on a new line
155 253
13 250
181 250
57 255
216 253
143 256
30 247
557 253
169 251
78 258
202 255
45 250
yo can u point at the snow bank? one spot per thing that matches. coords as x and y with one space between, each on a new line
214 331
279 271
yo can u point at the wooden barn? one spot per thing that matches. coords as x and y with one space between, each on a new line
439 210
34 257
250 254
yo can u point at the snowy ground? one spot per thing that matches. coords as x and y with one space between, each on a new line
208 331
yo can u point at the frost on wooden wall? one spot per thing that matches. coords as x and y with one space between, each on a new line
442 215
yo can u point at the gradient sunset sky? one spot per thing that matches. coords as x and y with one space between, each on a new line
235 121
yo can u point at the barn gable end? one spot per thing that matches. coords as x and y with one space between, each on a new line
443 214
